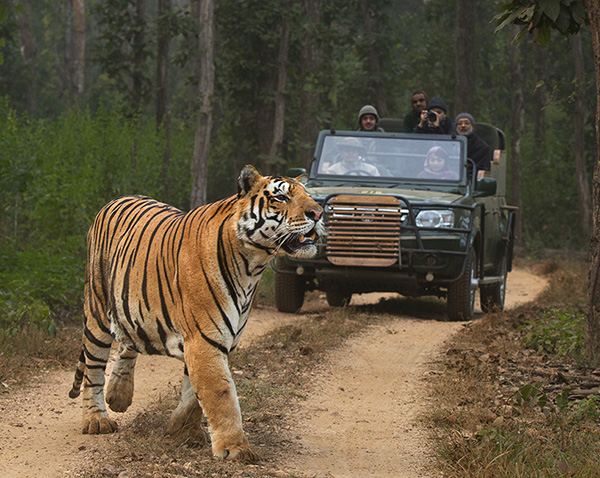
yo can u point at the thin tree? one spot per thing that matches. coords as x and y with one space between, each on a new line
309 67
276 148
517 125
465 56
138 47
79 47
539 100
583 182
374 63
205 21
163 120
29 54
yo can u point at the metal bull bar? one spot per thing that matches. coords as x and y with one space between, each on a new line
365 229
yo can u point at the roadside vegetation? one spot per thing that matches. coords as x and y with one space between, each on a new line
514 397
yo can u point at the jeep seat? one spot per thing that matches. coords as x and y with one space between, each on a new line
491 135
392 125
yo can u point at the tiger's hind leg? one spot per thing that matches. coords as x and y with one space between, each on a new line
96 349
119 393
186 419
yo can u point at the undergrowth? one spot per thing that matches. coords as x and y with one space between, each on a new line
509 400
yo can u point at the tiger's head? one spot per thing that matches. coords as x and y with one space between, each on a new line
277 215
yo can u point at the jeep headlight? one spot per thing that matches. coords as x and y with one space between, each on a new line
435 218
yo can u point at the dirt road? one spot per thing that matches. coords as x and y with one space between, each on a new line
358 421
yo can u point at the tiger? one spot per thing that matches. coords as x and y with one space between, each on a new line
161 281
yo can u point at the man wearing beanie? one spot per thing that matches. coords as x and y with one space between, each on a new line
368 119
434 119
477 149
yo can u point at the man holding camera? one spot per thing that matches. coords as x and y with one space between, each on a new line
434 119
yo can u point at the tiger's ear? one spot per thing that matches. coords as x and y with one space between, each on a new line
248 177
302 179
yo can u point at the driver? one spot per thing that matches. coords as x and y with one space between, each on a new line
350 160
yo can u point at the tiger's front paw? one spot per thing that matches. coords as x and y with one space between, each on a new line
235 452
96 426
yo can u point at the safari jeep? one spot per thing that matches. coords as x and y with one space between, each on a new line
395 225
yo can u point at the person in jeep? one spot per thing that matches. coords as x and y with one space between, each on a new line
418 102
434 119
477 149
436 165
349 161
368 119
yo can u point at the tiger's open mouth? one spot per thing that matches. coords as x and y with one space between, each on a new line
298 241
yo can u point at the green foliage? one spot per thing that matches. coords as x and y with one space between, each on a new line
17 311
54 177
542 16
588 409
557 332
123 50
529 396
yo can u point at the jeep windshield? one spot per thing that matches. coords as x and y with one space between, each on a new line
398 157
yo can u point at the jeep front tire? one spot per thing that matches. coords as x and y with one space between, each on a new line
461 293
289 292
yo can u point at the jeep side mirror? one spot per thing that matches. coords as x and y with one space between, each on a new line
295 172
485 187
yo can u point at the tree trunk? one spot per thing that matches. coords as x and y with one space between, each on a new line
79 47
465 57
206 20
69 68
539 101
309 98
138 56
163 120
29 54
276 148
375 67
593 337
194 44
583 185
517 126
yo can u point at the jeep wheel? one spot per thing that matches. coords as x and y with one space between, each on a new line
461 293
492 296
289 292
338 298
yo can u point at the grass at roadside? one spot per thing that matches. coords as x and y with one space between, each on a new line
24 353
514 398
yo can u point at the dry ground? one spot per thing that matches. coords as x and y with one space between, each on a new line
359 418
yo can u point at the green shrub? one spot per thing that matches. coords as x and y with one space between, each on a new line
55 175
557 332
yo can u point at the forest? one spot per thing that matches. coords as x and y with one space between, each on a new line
170 98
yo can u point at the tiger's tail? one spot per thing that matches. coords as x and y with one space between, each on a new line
76 390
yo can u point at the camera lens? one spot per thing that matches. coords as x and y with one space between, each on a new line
431 116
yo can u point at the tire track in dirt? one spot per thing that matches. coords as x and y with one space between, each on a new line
361 418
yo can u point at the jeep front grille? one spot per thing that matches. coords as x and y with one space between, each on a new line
363 230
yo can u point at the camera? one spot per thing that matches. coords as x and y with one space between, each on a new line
432 116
